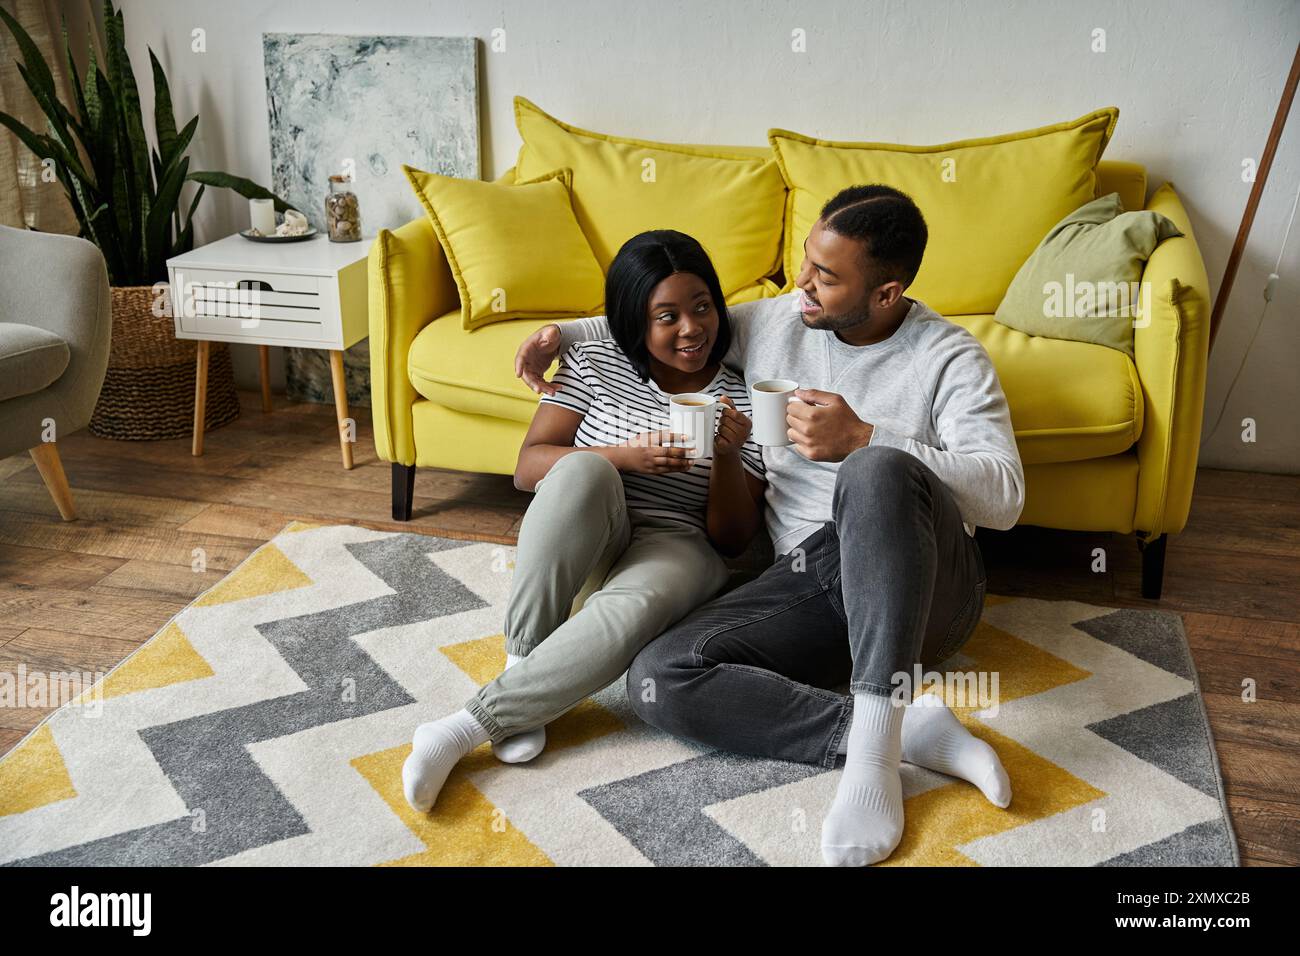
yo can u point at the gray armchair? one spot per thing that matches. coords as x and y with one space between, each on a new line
55 324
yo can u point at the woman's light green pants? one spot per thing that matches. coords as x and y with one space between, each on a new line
577 525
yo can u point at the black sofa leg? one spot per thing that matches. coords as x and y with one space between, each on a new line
1153 566
403 491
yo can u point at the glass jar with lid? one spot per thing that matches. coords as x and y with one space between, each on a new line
342 211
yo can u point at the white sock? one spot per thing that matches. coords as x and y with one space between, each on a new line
865 821
435 749
934 738
520 748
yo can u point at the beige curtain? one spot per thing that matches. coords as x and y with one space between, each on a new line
25 199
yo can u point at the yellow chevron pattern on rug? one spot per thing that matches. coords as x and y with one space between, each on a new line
167 659
266 572
34 775
467 830
266 724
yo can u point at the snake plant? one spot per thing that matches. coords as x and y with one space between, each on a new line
126 194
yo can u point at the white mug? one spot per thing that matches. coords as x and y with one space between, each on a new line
768 399
694 414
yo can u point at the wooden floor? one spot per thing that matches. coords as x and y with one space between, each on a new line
82 595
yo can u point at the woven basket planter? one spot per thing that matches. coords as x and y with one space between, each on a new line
148 392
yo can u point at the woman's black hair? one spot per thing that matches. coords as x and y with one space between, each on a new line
642 263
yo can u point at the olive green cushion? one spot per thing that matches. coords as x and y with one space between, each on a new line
1082 283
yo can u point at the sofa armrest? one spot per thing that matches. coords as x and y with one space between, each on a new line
410 285
1171 346
60 284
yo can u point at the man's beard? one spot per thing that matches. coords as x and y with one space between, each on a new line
836 323
846 320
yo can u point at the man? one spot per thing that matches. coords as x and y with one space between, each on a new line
901 444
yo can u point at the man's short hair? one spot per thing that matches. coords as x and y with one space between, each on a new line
887 222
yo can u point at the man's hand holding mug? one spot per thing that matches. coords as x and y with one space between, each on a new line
820 425
823 427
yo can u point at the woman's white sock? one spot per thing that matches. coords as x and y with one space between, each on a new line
435 749
865 821
520 748
934 738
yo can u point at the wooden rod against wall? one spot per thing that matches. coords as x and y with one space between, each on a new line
1257 190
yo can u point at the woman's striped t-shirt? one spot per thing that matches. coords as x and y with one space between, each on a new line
596 380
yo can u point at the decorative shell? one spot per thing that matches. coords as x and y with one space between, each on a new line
295 224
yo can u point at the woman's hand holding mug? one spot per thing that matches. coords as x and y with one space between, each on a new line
733 428
650 454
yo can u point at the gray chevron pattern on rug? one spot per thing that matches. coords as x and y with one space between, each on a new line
206 757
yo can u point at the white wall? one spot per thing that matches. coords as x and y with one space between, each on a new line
1197 84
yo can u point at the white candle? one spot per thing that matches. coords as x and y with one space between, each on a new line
261 215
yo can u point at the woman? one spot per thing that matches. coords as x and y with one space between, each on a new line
614 490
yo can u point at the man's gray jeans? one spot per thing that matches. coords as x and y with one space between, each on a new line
892 580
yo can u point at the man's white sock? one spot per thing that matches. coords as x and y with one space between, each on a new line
934 738
865 821
523 747
435 749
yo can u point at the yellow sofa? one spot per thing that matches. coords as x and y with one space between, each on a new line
1108 443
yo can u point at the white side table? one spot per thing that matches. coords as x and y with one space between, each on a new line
311 294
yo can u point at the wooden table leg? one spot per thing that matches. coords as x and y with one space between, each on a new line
200 397
264 354
46 456
341 405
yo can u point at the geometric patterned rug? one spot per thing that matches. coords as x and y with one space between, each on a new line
267 724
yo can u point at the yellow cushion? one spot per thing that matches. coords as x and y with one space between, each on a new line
476 372
515 250
762 289
987 202
1127 179
1069 400
730 199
